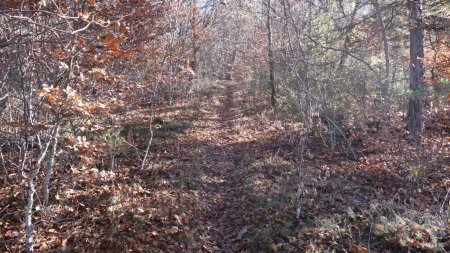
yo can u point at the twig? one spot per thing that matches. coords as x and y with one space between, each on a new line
370 237
349 145
4 166
149 142
445 200
299 171
53 222
5 208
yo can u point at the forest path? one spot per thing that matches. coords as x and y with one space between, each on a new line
226 175
225 213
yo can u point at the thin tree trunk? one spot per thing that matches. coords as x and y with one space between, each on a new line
229 66
195 36
20 168
49 168
29 216
270 55
385 88
415 121
149 143
34 171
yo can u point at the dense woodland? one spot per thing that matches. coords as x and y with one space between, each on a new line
224 126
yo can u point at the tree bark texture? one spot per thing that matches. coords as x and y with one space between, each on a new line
415 120
270 55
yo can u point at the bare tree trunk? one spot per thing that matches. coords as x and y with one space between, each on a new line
195 47
150 140
229 66
270 55
385 88
20 168
29 216
415 121
34 171
49 168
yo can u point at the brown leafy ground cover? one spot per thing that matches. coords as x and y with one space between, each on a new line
226 176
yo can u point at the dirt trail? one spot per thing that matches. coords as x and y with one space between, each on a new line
225 214
225 192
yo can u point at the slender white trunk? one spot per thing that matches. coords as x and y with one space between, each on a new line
149 143
49 168
28 219
29 216
20 176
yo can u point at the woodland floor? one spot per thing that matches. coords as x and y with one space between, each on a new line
223 176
